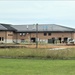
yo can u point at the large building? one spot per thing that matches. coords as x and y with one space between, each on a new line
28 33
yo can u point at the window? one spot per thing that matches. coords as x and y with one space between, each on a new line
20 34
45 34
49 34
24 34
1 38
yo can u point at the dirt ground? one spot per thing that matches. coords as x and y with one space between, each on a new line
40 45
51 46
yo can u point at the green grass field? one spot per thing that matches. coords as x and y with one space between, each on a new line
24 61
36 67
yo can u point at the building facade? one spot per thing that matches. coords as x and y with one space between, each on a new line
43 33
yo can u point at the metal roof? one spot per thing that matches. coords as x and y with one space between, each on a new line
8 27
43 27
2 27
32 28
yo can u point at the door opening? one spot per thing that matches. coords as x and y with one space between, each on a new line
33 39
65 39
59 39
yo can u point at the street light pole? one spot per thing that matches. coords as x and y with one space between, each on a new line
37 35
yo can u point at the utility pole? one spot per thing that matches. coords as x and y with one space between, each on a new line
37 35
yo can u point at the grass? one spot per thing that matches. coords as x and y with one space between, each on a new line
37 53
33 65
36 67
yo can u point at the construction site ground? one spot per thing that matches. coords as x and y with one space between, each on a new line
51 46
38 46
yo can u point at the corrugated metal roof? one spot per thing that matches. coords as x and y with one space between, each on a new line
42 27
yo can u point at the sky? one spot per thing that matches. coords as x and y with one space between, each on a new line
42 12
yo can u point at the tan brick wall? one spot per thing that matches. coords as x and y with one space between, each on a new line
2 34
73 35
9 35
14 35
22 36
41 35
63 35
57 35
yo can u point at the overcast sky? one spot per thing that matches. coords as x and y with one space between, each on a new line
41 12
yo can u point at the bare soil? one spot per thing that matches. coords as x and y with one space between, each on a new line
39 46
51 46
